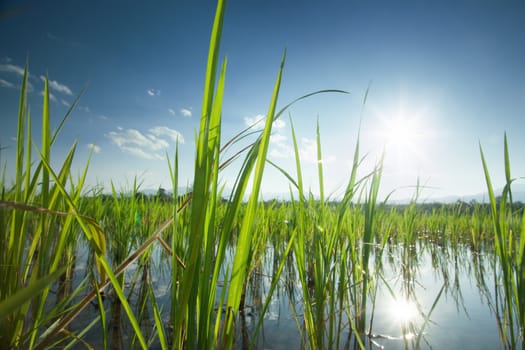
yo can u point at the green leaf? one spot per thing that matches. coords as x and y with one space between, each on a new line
18 299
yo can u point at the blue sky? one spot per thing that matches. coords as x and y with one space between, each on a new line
443 76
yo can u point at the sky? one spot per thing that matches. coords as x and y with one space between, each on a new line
442 78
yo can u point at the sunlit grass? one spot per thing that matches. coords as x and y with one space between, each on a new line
329 253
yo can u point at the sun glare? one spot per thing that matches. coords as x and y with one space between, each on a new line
402 132
406 135
404 310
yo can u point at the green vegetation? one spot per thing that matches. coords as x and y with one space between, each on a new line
509 241
224 257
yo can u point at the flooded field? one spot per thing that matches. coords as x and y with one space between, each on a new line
214 266
426 295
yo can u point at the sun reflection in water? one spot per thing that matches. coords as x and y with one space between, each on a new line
404 310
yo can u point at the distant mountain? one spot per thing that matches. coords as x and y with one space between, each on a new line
518 195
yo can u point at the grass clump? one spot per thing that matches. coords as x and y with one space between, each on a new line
217 248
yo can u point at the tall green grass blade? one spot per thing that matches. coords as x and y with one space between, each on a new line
158 321
19 166
185 322
298 168
508 178
102 313
275 280
320 168
92 230
501 241
46 142
15 301
243 241
427 317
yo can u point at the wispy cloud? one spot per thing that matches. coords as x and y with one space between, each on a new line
144 145
11 68
279 147
135 137
6 84
279 124
153 92
51 96
308 152
281 151
278 139
259 120
136 151
94 148
174 135
7 67
185 112
52 36
64 102
55 85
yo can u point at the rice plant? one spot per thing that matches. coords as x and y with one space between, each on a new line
228 260
510 253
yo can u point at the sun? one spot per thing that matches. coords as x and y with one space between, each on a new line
401 132
406 135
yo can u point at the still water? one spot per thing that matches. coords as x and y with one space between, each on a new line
426 296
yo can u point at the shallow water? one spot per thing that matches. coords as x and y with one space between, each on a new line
462 318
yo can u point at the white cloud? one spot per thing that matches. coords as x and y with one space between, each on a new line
55 85
142 145
64 102
171 111
174 135
282 151
51 96
136 137
259 120
279 147
5 83
307 149
153 92
277 138
308 152
84 109
11 68
185 112
95 148
279 124
140 153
